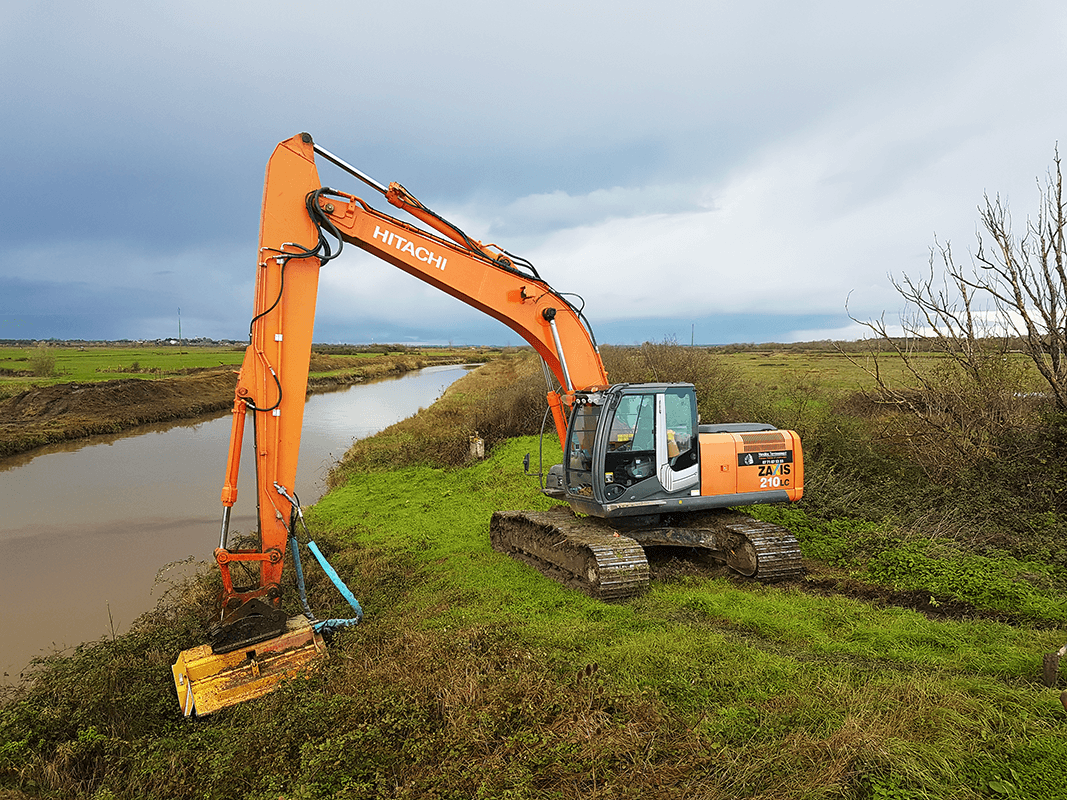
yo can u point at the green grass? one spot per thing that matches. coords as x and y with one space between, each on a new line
880 554
474 676
830 369
827 695
87 364
101 363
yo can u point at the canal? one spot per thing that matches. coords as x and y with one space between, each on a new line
87 526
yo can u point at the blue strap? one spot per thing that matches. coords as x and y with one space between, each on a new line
340 584
294 547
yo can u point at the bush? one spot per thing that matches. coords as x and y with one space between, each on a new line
723 394
43 361
498 401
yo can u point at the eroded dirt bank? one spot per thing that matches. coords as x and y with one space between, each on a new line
65 411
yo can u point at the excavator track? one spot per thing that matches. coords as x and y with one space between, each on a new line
750 547
581 554
590 555
769 553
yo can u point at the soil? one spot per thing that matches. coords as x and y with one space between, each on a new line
48 414
927 604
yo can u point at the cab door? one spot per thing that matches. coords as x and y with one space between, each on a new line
629 469
676 440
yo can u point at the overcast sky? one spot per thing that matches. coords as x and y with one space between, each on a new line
708 171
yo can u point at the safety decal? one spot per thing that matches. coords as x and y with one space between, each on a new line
764 458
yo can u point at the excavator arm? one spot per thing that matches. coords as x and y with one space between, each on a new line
482 276
298 217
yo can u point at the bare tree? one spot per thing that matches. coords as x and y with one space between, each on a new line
974 321
1027 279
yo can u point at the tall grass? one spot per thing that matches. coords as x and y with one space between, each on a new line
474 676
502 399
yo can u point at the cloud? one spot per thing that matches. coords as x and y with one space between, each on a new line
672 162
59 291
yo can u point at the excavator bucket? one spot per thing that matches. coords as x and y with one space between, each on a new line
206 681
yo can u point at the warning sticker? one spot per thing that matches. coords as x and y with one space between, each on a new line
765 457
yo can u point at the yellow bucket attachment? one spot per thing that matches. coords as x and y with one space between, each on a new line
206 682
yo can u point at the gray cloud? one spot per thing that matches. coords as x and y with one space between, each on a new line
756 160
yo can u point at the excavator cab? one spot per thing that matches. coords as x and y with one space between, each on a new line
633 446
639 450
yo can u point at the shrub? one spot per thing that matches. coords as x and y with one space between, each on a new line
43 361
723 394
500 400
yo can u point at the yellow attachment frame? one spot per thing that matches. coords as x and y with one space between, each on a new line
206 682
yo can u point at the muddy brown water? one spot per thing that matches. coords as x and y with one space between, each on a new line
86 526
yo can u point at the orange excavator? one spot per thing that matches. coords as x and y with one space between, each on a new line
639 469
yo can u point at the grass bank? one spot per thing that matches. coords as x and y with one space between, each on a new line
904 665
474 676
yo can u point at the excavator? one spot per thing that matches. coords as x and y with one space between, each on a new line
639 469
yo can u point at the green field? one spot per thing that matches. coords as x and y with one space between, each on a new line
904 665
19 366
821 364
825 366
831 370
85 364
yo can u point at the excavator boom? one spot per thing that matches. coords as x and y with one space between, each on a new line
297 213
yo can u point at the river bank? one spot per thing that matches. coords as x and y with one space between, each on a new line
60 412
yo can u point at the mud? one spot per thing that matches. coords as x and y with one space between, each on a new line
50 414
929 605
583 554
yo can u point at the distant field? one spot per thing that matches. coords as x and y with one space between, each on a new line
90 364
833 371
830 369
107 363
826 367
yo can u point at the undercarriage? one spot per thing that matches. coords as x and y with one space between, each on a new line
606 559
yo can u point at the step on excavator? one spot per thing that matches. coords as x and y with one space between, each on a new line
638 469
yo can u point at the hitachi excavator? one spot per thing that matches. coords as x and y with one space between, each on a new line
638 467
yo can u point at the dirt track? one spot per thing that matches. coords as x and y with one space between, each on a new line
676 564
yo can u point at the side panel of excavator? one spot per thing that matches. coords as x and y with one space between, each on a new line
751 462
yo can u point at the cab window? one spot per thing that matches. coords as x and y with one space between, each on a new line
631 456
681 424
579 456
634 425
